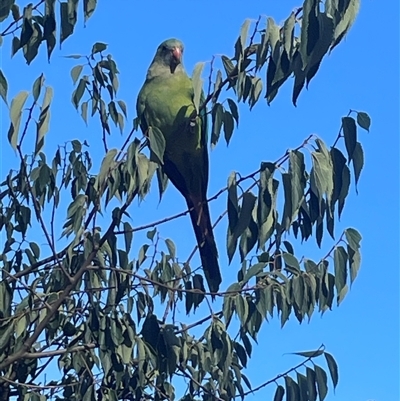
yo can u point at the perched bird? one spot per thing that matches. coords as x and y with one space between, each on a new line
165 102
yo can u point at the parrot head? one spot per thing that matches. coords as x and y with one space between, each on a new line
169 53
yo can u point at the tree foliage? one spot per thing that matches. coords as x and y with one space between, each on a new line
92 302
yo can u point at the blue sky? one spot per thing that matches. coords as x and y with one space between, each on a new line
362 73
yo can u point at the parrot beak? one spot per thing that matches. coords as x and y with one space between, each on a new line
177 55
176 58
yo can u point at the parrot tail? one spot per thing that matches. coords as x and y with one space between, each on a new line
201 221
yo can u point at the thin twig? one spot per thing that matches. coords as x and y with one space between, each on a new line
277 377
198 323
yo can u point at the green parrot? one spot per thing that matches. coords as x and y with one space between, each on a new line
166 102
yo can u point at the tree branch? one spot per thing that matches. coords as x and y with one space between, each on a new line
5 32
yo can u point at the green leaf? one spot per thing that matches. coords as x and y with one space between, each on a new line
347 17
253 271
98 47
303 389
228 126
288 34
76 145
298 287
198 284
112 110
122 105
74 56
274 73
234 110
3 87
310 266
37 86
287 209
266 301
311 380
282 304
107 163
358 161
340 262
228 65
273 31
256 90
249 200
197 85
249 237
151 331
345 188
44 119
128 235
88 8
325 28
75 206
244 31
247 344
309 354
188 297
17 105
227 306
15 45
266 207
217 121
363 120
329 169
150 234
339 163
21 326
49 29
333 368
322 382
6 336
141 355
350 135
355 262
297 181
31 49
353 238
321 177
310 33
27 29
243 87
78 92
68 16
157 143
233 215
121 122
84 111
35 249
142 254
171 247
292 389
5 8
279 393
262 51
291 262
76 72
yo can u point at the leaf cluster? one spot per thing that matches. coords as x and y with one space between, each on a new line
38 24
